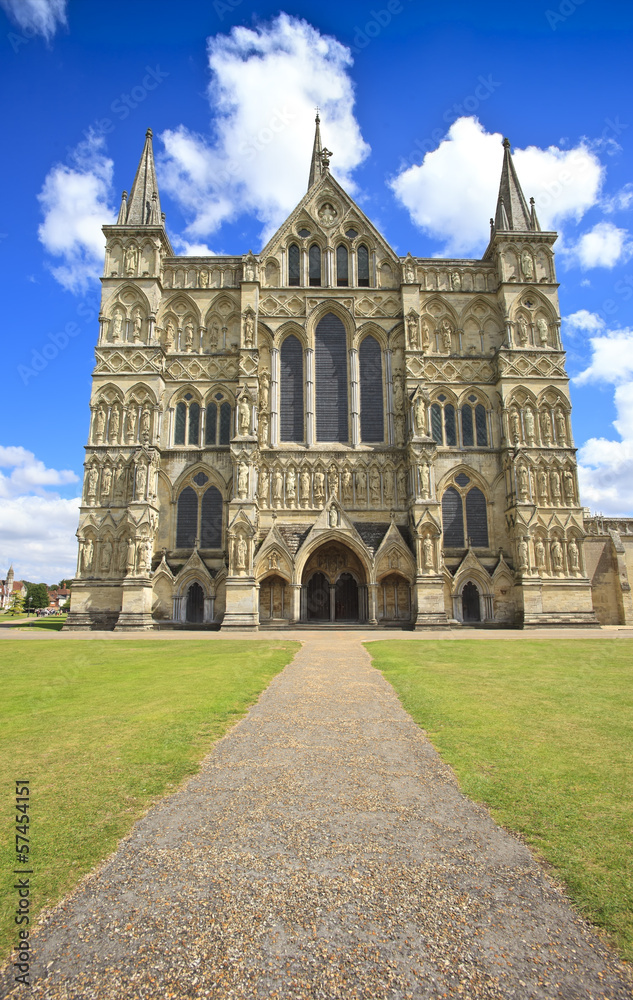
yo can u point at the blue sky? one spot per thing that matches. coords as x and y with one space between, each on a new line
415 99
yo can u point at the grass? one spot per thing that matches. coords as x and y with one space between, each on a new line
102 729
542 733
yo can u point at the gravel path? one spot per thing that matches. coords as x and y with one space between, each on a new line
323 851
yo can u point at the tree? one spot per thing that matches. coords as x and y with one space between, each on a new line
16 607
64 584
36 596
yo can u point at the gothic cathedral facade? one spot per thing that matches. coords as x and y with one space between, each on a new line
328 432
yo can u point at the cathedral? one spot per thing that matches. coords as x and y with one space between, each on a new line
326 432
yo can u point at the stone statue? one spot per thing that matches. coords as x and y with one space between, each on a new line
428 553
319 488
106 482
425 480
244 415
539 552
273 561
523 331
446 333
130 559
106 555
100 420
528 423
402 485
264 390
412 331
524 482
213 339
242 550
569 487
524 555
426 336
554 479
145 424
137 326
249 330
543 486
263 429
113 430
543 331
546 427
515 426
333 517
141 480
141 557
170 334
87 555
93 479
120 485
278 488
203 281
574 556
387 486
249 270
263 486
361 488
242 480
291 487
304 481
346 485
332 481
374 486
409 272
398 394
399 421
117 327
456 281
527 266
130 424
189 337
557 556
131 260
419 415
561 428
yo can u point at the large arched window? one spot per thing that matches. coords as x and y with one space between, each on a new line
342 266
194 424
453 519
187 423
464 515
294 265
331 380
187 527
218 421
291 371
362 256
474 424
372 427
199 516
314 264
443 422
211 519
181 423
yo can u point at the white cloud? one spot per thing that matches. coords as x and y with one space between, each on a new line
606 466
39 17
265 84
603 246
620 201
37 526
584 321
453 193
75 201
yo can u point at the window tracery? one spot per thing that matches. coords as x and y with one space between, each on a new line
464 514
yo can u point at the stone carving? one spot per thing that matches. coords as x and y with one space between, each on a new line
361 488
106 555
291 487
130 557
263 429
446 334
527 266
543 487
304 482
278 488
573 555
117 327
456 281
539 552
113 429
242 481
402 485
546 427
100 421
263 486
557 556
170 333
346 486
523 331
374 486
87 554
241 549
554 479
144 556
426 336
120 485
332 481
264 389
131 260
273 561
244 415
250 269
189 337
528 423
387 486
137 325
140 481
319 488
425 480
328 214
91 488
412 331
203 280
419 416
399 429
569 487
524 482
524 555
146 422
515 427
543 332
213 336
333 517
561 428
106 483
130 424
428 554
249 329
409 271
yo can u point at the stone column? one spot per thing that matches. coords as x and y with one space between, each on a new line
295 602
355 401
274 397
332 602
389 379
373 594
310 427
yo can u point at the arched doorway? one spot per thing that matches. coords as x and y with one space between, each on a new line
471 609
346 598
195 603
318 598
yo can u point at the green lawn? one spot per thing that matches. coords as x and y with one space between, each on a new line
103 728
542 733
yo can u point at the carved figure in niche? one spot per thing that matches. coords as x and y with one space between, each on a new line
130 557
249 270
113 429
91 490
291 487
203 280
528 423
568 485
304 482
402 485
561 428
332 481
539 552
189 337
263 486
412 331
387 486
319 488
120 485
130 424
141 480
573 556
557 556
409 272
106 555
273 561
527 266
346 485
145 424
249 330
361 488
106 482
515 426
264 390
244 415
87 555
399 421
543 332
100 421
524 555
213 337
394 560
374 486
524 482
428 552
546 427
131 260
555 484
327 214
170 333
456 281
333 517
425 480
543 486
142 555
137 324
278 488
117 327
419 415
446 334
426 336
241 549
263 429
242 480
523 331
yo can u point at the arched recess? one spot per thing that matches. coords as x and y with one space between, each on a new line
372 423
334 583
291 417
330 339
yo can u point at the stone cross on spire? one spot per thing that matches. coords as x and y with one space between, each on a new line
143 206
317 166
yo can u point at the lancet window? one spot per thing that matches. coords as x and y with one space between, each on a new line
294 264
372 428
474 424
342 266
464 515
218 421
291 383
331 380
199 516
362 259
187 423
314 265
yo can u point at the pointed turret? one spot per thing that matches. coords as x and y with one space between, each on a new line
143 207
316 165
123 210
513 214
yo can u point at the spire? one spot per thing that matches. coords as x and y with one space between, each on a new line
512 210
143 207
316 166
123 210
533 219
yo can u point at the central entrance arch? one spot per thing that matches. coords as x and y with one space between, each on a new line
346 598
195 603
334 586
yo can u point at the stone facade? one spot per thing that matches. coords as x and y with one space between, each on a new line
326 431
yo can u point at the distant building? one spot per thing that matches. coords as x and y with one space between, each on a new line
9 587
327 431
